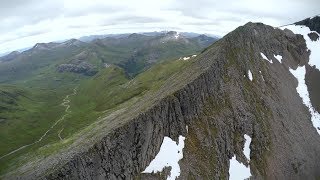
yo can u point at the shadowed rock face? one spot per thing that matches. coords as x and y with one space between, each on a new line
219 104
78 64
312 23
312 81
313 36
81 68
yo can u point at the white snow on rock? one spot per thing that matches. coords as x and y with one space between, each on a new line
302 89
239 171
250 75
278 57
265 57
169 155
177 35
300 72
187 57
313 46
246 150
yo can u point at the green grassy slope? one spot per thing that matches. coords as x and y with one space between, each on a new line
33 64
103 93
32 89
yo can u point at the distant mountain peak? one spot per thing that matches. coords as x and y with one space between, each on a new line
9 56
45 46
135 36
40 46
173 36
51 45
173 33
74 42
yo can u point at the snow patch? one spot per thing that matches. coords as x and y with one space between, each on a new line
302 90
265 57
313 46
238 170
278 57
300 72
177 35
187 57
169 155
250 75
246 150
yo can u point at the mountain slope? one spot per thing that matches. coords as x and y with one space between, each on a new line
135 53
53 90
139 52
226 92
310 29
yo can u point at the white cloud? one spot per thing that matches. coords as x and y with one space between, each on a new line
24 23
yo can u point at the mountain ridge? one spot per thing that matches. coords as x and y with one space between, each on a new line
87 39
228 105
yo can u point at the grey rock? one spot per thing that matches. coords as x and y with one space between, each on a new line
313 36
312 79
78 64
81 68
312 23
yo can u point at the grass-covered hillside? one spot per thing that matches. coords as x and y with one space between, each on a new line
53 91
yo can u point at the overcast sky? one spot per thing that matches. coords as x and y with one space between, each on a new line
26 22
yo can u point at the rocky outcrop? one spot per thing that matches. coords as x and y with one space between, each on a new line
78 64
312 23
81 68
312 79
313 36
219 103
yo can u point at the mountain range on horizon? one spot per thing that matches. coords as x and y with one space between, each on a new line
102 36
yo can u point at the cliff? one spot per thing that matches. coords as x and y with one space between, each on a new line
212 103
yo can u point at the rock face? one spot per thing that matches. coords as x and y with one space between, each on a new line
81 68
78 64
312 23
312 79
219 103
313 36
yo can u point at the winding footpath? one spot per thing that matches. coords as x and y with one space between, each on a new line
66 104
